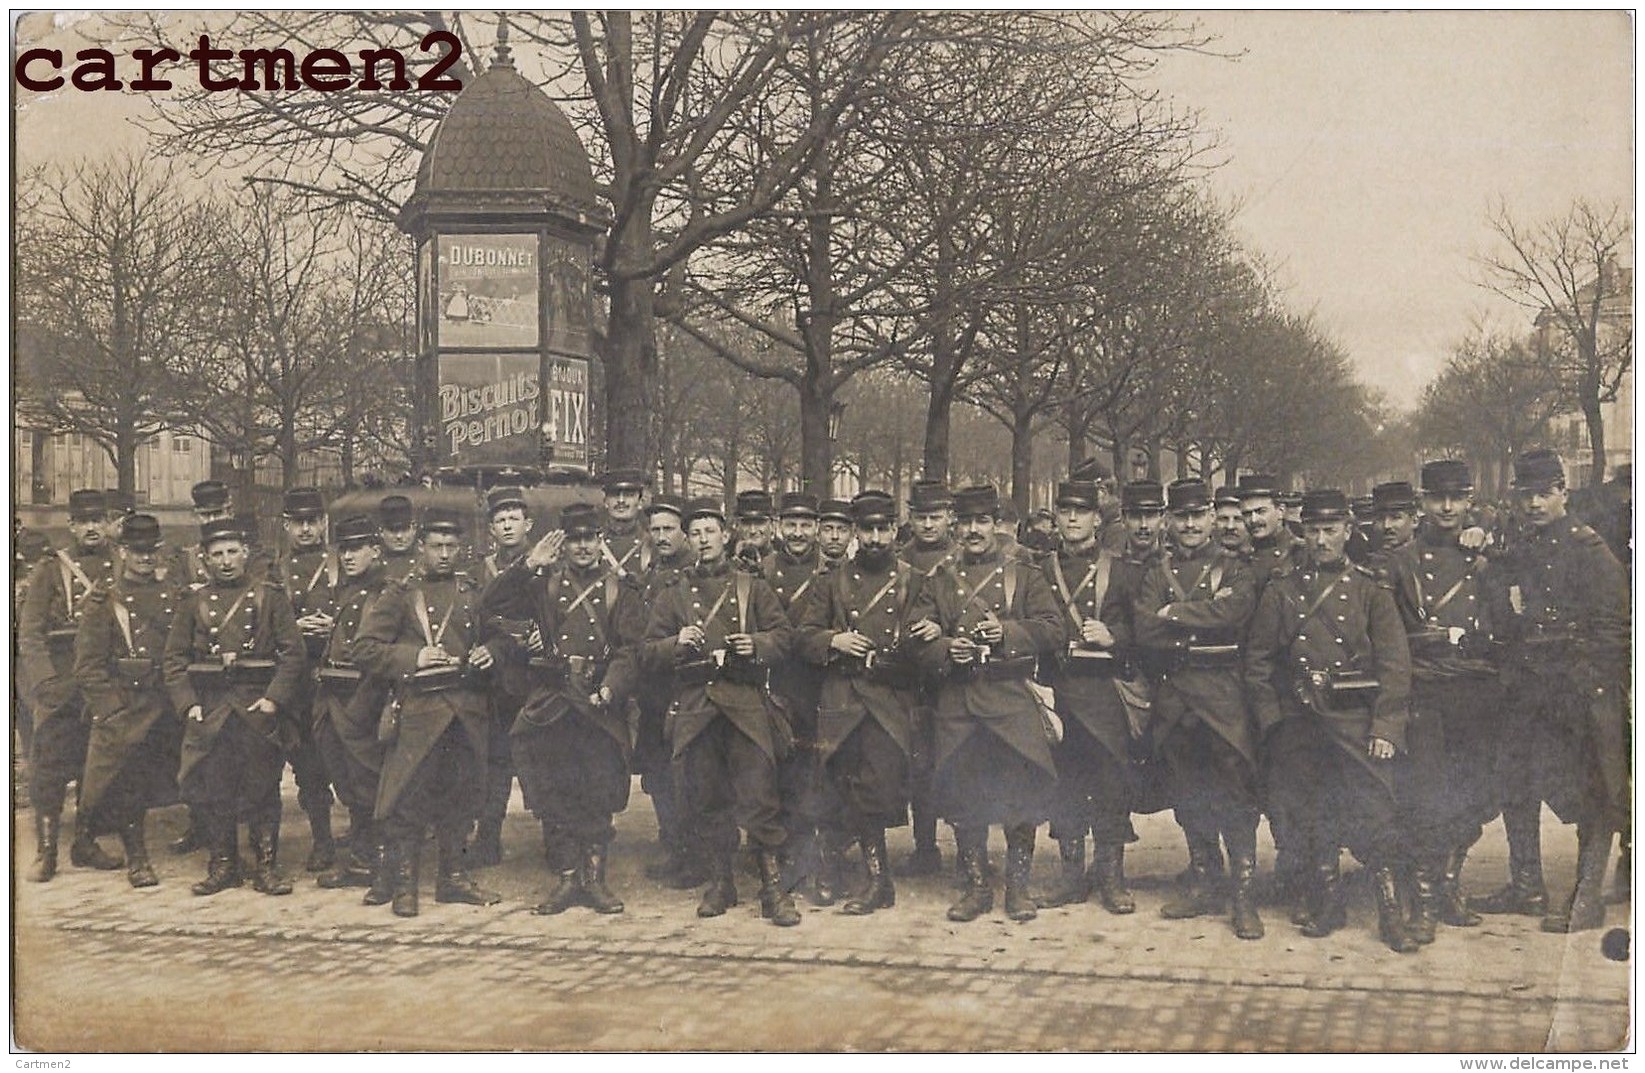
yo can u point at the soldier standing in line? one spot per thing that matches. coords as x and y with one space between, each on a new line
1094 756
1440 587
424 636
1191 614
46 629
834 531
308 570
1232 536
930 519
1563 608
1394 515
131 755
1142 513
720 630
624 546
671 557
509 518
754 528
398 525
1112 533
853 630
1327 653
571 737
347 706
983 623
1290 503
234 667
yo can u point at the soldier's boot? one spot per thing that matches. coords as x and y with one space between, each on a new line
1326 908
84 852
485 849
1584 910
595 892
1247 924
978 896
406 857
47 830
1201 893
566 892
138 870
1019 863
827 884
265 850
453 886
381 890
879 894
357 866
776 904
1453 904
1425 899
1390 914
1622 891
1289 882
1525 893
223 869
323 854
926 860
721 892
1073 886
1108 878
193 837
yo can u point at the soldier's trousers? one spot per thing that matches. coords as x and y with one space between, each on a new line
500 767
239 777
1213 784
146 779
443 793
809 800
654 763
58 756
1093 789
576 776
869 772
308 766
1333 798
340 743
985 782
1447 795
922 763
730 782
1566 748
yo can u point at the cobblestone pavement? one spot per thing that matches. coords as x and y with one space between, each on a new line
99 966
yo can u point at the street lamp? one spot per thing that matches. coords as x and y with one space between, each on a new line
836 415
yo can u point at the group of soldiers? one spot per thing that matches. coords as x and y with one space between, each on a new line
793 678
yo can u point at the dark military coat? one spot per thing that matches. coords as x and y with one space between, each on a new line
758 612
398 566
630 551
46 629
390 637
1274 557
512 680
1086 585
123 624
354 705
796 581
1440 589
852 689
958 598
308 577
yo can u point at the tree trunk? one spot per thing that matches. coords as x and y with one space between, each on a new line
733 447
1022 462
816 449
1595 419
630 375
938 413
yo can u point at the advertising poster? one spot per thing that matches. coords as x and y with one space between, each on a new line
490 407
488 291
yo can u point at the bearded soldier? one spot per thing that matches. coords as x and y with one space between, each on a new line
234 666
46 630
1563 608
347 706
1327 653
1190 614
853 629
424 636
983 623
720 630
131 757
571 737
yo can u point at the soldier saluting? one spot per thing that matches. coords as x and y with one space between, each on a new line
131 757
234 667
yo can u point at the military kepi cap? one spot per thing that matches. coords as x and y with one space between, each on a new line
753 505
504 496
209 495
580 519
666 504
840 510
976 501
357 529
798 505
623 480
442 520
1092 469
394 513
1393 496
1446 475
704 507
1141 496
120 502
1257 486
87 504
929 496
1538 470
219 529
1187 495
1324 505
303 503
139 532
1082 495
1226 495
872 508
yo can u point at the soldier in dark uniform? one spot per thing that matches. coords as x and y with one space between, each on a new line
308 570
754 527
234 667
1290 504
1394 515
510 522
1563 609
653 761
624 546
347 706
1327 652
1190 615
853 630
1232 536
424 636
398 525
1112 534
28 548
571 738
1142 513
930 518
1440 588
131 757
834 531
983 623
721 630
58 588
1094 755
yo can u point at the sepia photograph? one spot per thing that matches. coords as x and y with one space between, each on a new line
857 532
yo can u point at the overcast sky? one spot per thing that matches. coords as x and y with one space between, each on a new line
1363 148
